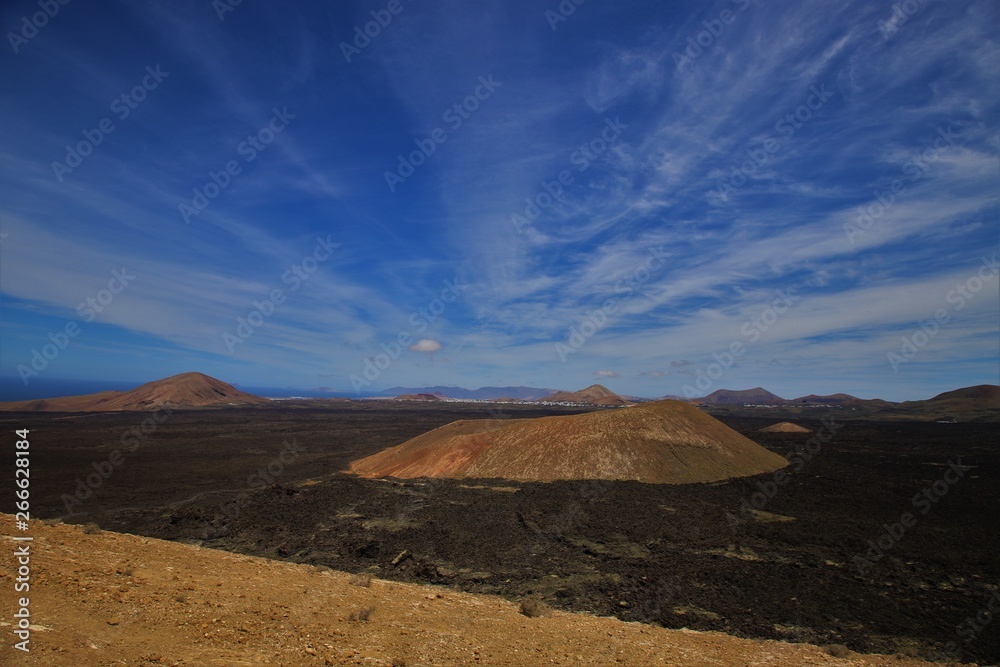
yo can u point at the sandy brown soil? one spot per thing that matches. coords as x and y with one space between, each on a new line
115 599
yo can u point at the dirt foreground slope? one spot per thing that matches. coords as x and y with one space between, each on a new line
665 442
114 599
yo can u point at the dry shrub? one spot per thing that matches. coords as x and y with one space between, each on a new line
838 651
91 529
361 579
533 607
362 615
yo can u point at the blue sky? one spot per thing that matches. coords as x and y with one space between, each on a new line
619 193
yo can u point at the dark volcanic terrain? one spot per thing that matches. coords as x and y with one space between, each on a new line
781 564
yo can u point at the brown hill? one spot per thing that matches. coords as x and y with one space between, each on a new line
785 427
868 403
595 394
187 390
663 442
116 599
755 396
977 403
983 396
981 402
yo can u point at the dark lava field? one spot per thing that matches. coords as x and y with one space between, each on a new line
882 538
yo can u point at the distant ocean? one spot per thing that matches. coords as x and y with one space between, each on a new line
13 389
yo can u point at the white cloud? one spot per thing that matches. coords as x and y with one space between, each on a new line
425 345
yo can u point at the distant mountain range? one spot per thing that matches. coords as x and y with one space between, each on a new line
832 399
761 396
418 397
593 395
978 402
196 390
482 394
986 395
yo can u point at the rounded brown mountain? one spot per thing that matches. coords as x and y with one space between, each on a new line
785 427
595 394
187 390
664 442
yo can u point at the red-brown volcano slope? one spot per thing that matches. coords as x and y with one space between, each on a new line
665 442
595 394
785 427
187 390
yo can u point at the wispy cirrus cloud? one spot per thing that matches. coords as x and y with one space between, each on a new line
658 186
